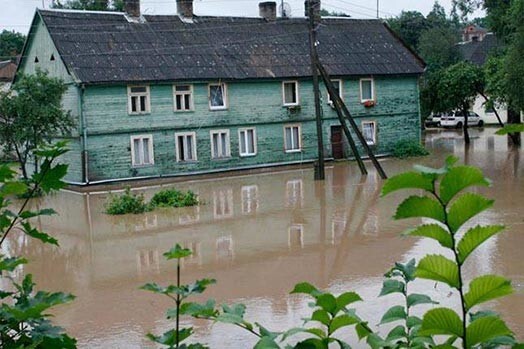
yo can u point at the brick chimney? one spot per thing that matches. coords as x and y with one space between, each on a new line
268 10
185 8
132 8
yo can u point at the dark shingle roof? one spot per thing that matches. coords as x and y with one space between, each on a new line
477 52
106 47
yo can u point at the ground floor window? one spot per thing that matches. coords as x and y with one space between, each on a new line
369 132
220 144
292 138
247 141
185 146
142 150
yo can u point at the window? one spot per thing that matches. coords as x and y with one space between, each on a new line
138 99
142 150
367 92
295 235
292 135
290 93
220 144
217 96
185 146
369 132
338 89
247 141
183 97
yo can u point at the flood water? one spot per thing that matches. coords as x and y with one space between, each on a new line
259 235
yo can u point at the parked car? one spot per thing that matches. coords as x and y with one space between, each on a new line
432 120
456 119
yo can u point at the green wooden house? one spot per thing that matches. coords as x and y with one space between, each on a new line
160 95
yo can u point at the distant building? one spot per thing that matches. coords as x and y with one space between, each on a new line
477 51
171 95
473 33
7 73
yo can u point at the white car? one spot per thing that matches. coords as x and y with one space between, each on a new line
456 120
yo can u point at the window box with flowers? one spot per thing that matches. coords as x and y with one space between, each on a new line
369 103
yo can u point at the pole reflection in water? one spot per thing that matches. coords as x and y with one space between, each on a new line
258 235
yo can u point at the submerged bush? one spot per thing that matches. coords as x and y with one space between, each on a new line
407 148
126 203
174 198
135 203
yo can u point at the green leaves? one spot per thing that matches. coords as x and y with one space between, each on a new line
510 129
420 206
407 180
441 321
465 207
177 252
432 231
393 314
485 288
485 328
438 268
459 178
473 238
306 288
171 338
392 286
415 299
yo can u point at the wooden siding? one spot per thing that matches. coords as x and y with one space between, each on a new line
251 104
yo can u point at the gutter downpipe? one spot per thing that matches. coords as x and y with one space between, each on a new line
84 159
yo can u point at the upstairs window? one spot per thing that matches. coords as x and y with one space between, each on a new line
220 144
185 146
142 150
337 84
138 100
183 97
369 132
217 96
290 93
367 90
247 141
292 141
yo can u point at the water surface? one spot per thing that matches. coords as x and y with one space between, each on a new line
258 235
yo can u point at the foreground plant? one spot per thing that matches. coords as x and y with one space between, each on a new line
406 335
24 322
444 203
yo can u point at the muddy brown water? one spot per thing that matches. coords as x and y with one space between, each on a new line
259 235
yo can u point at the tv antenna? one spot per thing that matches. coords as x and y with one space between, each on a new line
284 9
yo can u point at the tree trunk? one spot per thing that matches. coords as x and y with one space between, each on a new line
465 125
514 118
21 160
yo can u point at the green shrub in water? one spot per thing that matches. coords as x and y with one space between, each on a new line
407 148
127 203
174 198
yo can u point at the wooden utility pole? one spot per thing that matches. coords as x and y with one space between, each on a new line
339 104
313 11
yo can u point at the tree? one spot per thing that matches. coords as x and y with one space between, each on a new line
437 47
11 44
327 13
31 115
409 26
457 89
92 5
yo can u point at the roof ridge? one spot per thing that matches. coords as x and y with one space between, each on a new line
59 10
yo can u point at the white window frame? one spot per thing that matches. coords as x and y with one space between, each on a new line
297 94
223 205
295 229
340 91
224 96
374 131
295 192
245 131
228 144
194 150
130 96
362 100
299 138
183 93
140 162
